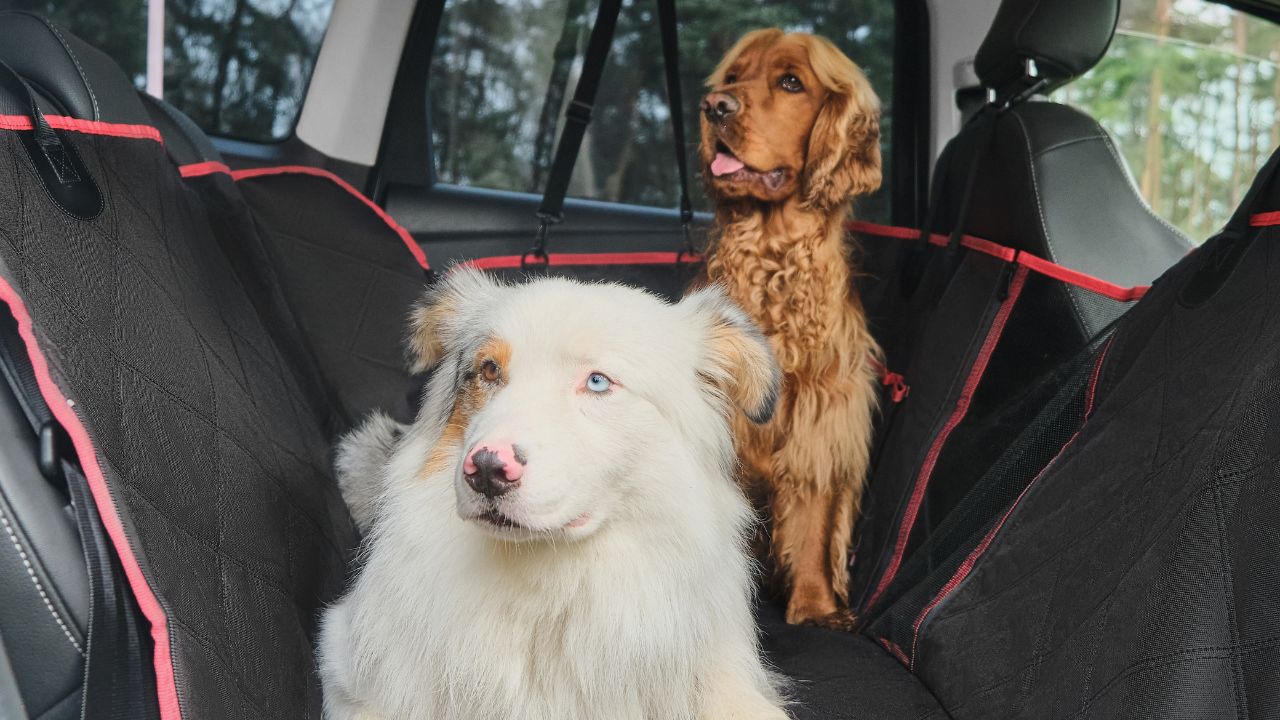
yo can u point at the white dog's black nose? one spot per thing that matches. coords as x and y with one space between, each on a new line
493 471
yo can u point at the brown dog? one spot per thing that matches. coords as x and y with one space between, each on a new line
790 134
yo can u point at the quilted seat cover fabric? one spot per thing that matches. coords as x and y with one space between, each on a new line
215 457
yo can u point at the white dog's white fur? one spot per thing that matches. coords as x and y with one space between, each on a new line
625 590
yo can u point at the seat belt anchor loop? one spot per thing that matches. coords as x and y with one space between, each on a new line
539 250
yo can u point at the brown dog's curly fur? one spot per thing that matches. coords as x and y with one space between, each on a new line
804 121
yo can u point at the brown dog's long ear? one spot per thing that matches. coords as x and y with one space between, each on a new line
445 312
738 361
844 145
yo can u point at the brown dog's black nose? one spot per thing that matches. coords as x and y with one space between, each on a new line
719 106
489 474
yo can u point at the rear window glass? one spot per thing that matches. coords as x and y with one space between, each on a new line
495 125
239 68
1189 91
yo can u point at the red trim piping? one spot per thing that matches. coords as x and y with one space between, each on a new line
88 127
1036 263
203 168
976 372
895 651
61 407
414 248
1082 280
972 242
1094 376
972 559
512 262
1265 219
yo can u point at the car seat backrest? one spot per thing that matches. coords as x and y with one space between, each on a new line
1133 576
1042 182
201 438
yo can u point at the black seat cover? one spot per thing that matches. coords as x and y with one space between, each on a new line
207 435
1035 177
1136 576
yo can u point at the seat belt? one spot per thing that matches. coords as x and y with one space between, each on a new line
577 117
668 24
561 60
117 683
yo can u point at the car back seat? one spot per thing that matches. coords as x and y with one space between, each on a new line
161 320
983 328
203 440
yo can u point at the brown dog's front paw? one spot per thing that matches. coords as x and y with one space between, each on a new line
810 606
843 620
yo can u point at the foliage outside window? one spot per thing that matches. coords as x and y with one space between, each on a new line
239 68
1189 91
495 115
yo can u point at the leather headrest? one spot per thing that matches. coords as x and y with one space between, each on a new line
1064 37
69 76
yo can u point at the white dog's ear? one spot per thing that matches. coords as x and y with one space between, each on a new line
739 361
447 312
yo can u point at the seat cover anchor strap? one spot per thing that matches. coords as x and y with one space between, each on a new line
53 157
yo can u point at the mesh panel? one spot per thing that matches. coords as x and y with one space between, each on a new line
1049 425
1038 350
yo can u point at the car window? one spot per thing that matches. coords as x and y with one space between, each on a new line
1189 91
495 117
239 68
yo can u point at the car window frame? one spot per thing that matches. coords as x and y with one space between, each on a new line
406 155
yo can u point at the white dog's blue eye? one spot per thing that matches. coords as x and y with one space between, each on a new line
598 383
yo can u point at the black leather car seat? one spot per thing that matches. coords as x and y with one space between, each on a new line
1050 180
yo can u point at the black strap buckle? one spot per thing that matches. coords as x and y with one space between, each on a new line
538 253
579 112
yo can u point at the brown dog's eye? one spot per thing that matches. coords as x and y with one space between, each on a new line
790 83
730 79
490 371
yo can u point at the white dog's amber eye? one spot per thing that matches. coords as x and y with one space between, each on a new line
490 371
598 383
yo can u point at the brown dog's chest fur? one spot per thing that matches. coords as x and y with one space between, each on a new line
789 268
790 271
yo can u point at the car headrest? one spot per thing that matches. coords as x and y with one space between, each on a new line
1064 37
69 76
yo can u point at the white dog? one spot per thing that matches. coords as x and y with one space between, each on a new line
558 536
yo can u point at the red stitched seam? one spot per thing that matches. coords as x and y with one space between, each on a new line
935 449
61 408
1038 264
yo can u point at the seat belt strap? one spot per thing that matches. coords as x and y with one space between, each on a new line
668 24
117 683
577 117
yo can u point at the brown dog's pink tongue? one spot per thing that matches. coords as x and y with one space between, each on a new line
724 164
